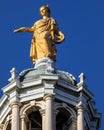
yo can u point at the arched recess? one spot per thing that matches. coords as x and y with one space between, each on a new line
8 127
31 106
31 112
35 121
66 117
7 124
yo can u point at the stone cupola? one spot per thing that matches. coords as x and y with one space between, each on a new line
45 98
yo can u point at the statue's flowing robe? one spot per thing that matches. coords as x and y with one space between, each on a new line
42 43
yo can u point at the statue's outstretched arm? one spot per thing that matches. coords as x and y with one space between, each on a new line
24 29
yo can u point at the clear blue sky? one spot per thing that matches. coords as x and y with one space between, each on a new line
82 22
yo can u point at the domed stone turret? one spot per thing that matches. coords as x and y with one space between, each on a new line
45 98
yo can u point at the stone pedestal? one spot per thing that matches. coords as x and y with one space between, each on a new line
46 63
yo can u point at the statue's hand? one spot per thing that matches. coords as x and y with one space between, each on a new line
60 37
20 30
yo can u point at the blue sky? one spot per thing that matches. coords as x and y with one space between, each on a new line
81 21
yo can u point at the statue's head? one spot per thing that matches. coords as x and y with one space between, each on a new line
45 10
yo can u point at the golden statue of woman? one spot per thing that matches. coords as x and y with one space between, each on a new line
45 35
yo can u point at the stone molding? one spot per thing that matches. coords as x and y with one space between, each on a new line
81 108
48 97
24 117
32 105
7 121
73 120
42 112
66 107
15 104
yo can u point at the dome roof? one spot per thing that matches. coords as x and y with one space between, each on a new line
32 73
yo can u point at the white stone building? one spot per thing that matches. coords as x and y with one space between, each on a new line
44 98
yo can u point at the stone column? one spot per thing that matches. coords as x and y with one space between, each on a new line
49 111
23 122
42 112
15 115
80 118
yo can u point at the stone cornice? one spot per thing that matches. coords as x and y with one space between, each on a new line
15 85
3 100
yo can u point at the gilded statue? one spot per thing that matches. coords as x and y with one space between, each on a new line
45 35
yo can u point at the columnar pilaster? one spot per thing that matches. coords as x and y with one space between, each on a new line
54 119
49 111
1 126
80 118
74 123
23 122
15 115
42 112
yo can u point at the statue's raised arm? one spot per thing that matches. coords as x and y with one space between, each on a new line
45 34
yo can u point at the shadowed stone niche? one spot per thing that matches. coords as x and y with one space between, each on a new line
8 126
64 120
35 121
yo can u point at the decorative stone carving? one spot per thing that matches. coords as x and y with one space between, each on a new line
13 74
82 78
